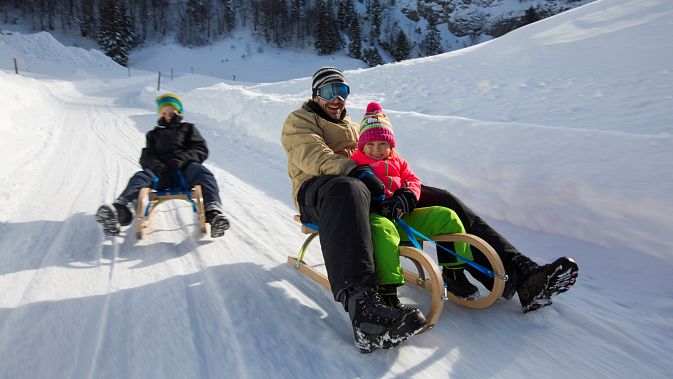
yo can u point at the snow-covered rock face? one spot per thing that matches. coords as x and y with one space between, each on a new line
491 17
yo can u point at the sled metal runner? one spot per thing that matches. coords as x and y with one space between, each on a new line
149 199
427 274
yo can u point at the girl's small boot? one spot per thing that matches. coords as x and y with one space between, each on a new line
457 283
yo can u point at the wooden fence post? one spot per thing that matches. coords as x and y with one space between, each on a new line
159 82
16 67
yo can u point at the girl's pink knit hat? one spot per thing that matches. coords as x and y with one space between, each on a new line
375 126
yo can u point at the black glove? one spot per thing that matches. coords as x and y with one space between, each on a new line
373 184
174 164
402 202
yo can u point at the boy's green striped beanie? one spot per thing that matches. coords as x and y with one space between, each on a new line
169 100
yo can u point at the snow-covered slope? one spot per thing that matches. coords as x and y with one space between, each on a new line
553 167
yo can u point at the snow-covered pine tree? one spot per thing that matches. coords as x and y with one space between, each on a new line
276 28
229 15
374 13
335 36
372 57
297 21
345 15
432 44
195 24
322 29
87 23
327 38
401 48
128 30
115 32
355 45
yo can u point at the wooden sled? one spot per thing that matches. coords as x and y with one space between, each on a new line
149 199
427 273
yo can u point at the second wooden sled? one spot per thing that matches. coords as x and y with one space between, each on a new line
427 273
149 199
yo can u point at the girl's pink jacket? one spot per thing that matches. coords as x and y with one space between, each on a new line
394 172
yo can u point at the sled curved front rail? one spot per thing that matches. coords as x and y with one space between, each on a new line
149 200
498 269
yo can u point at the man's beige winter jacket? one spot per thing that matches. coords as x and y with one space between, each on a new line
316 146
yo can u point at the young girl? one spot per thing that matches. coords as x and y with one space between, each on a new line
376 148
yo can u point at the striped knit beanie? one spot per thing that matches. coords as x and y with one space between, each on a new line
169 100
326 75
375 126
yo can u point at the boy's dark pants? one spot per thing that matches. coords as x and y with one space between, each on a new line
473 225
194 173
339 205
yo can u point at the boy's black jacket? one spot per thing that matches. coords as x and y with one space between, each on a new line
171 146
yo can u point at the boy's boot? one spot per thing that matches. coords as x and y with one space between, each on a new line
112 217
377 325
457 283
124 213
537 284
218 222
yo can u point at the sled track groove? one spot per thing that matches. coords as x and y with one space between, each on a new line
195 307
90 348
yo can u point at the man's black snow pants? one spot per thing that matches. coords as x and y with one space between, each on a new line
473 225
339 205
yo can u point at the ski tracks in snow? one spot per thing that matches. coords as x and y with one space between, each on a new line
48 251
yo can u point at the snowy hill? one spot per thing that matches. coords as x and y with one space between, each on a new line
558 133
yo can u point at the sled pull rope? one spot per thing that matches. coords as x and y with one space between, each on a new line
412 233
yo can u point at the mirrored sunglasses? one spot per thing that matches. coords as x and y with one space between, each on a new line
331 91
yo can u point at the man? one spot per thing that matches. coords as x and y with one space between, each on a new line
317 138
331 192
173 148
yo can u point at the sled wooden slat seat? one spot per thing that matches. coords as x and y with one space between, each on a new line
149 199
427 274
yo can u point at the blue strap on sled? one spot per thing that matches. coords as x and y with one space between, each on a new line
412 233
182 190
314 227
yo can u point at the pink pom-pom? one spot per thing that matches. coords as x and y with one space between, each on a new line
373 107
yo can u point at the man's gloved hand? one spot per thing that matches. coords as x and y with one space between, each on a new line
402 202
373 184
174 164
